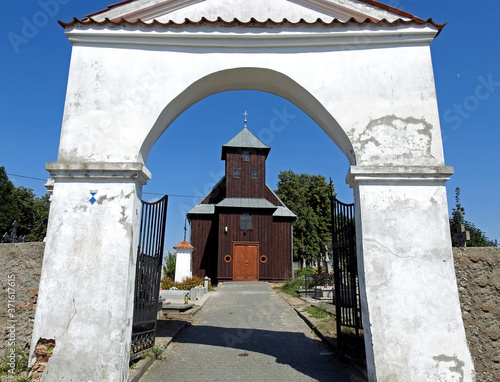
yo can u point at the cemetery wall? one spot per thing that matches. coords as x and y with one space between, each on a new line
477 269
20 270
478 277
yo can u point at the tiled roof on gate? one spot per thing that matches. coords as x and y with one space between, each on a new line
109 8
251 22
88 18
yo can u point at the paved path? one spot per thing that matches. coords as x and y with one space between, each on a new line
246 332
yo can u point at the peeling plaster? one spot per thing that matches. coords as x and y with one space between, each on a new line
391 140
450 369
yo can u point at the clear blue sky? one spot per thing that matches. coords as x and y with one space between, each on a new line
467 53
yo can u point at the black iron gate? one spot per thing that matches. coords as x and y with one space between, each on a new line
148 275
347 299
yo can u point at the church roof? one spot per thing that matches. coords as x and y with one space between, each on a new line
245 140
284 212
246 203
252 203
168 13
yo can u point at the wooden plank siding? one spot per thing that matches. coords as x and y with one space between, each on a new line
260 233
217 194
282 249
245 186
204 240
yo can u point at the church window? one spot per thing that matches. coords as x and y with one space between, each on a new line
246 156
245 221
255 174
236 174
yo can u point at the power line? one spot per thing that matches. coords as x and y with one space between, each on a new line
179 196
27 177
148 193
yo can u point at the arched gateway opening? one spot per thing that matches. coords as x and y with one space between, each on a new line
245 78
360 69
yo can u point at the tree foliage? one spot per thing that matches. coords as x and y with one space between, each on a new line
477 237
169 267
308 196
22 205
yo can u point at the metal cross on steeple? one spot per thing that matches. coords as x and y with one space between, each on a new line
245 114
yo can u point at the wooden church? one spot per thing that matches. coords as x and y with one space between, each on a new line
241 230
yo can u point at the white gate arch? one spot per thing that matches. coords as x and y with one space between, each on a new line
360 69
246 78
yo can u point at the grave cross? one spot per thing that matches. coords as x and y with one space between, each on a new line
13 238
461 236
185 229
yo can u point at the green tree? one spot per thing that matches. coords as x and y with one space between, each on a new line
477 237
8 206
308 196
22 205
38 230
169 267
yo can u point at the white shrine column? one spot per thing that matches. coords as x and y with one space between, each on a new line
86 290
183 260
411 311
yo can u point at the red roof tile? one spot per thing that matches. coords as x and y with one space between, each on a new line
252 22
183 245
87 20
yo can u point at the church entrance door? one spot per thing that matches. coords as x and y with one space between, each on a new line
246 265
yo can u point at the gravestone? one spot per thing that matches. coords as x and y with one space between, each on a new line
461 236
13 238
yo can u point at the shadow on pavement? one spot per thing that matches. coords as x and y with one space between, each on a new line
308 356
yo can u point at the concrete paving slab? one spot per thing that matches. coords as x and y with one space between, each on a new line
246 332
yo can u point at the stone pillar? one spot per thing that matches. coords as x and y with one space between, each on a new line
183 260
86 290
411 312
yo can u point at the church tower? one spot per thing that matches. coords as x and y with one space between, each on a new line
241 230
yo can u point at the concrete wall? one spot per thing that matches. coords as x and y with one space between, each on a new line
24 262
478 276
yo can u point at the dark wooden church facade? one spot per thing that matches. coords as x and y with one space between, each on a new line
241 230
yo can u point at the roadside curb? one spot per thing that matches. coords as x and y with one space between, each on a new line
136 374
331 343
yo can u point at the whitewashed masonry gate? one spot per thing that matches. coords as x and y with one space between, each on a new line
360 69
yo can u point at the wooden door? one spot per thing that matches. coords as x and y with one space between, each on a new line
245 262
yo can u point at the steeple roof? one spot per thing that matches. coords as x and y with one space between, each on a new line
245 140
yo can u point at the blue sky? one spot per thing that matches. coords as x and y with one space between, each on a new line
466 56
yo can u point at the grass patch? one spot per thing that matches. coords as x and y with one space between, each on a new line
21 367
317 312
291 286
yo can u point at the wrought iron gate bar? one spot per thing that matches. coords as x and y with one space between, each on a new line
347 299
148 275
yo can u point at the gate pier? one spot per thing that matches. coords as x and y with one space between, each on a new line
86 290
411 311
